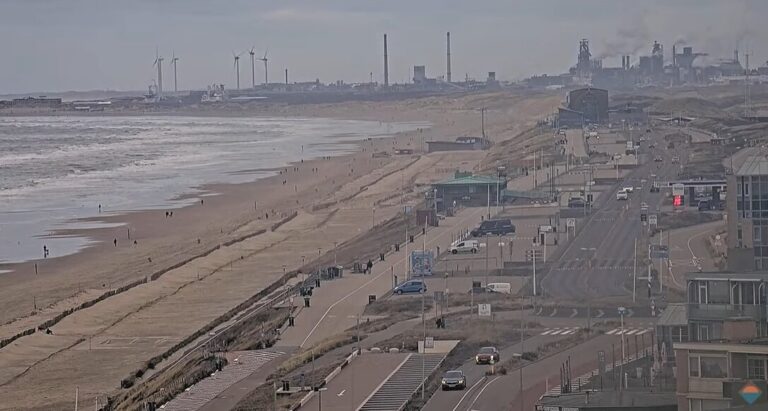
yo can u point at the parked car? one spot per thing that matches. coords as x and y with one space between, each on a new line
622 195
466 246
494 227
503 288
454 379
704 205
486 354
411 286
658 159
675 159
655 187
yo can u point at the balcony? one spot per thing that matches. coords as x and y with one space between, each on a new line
724 311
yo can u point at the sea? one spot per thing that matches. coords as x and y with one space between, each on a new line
56 171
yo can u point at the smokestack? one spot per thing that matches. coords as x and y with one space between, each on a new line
736 55
674 56
386 63
286 77
448 68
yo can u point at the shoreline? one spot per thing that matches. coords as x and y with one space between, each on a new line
72 233
342 201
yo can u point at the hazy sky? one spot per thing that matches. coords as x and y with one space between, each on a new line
58 45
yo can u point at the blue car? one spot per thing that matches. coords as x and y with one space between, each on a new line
411 286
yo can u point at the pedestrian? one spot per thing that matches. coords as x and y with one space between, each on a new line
369 265
171 214
135 242
115 242
99 208
166 214
201 201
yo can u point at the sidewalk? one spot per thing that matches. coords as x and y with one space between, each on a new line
336 305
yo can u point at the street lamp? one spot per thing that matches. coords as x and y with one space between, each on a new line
622 311
320 397
519 356
501 255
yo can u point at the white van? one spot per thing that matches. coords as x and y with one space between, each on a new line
466 246
504 288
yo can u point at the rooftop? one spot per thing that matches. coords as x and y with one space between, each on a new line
754 166
674 314
728 276
600 399
756 346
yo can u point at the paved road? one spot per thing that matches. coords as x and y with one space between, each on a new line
357 382
599 260
503 393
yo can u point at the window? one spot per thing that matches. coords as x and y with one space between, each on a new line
694 405
693 367
756 368
714 367
703 332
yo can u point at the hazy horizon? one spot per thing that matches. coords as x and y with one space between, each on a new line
90 45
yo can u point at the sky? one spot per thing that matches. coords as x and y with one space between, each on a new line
66 45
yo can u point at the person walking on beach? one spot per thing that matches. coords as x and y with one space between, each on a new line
45 251
115 242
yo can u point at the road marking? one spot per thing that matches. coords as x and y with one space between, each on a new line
554 311
468 392
574 313
600 313
369 282
341 393
483 389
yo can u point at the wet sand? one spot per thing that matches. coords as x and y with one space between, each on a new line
156 315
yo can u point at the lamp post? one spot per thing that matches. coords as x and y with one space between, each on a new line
320 397
519 357
501 255
622 311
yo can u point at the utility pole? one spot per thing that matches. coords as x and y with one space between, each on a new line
661 266
522 351
634 275
423 347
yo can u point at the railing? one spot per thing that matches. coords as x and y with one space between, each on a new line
724 311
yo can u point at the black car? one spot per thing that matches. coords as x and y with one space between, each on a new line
454 379
494 227
576 202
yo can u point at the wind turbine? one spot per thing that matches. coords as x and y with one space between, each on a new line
266 70
253 68
237 67
175 80
159 64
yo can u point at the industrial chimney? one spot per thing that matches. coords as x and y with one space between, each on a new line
286 76
448 65
386 63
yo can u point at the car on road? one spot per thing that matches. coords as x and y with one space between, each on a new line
576 202
658 159
629 189
503 288
411 286
675 159
652 145
486 355
454 379
494 227
622 195
655 187
466 246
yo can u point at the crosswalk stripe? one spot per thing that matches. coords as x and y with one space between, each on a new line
613 331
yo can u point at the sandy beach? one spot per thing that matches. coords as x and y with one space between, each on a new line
335 200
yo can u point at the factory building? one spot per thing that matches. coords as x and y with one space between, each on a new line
584 106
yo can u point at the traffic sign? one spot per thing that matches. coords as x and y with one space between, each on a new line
531 253
653 219
429 342
570 222
484 310
658 251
